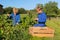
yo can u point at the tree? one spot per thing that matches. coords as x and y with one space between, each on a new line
58 12
40 5
22 11
1 8
8 10
51 8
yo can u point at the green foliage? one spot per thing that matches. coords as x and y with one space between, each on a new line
21 32
51 9
40 5
22 11
8 32
8 10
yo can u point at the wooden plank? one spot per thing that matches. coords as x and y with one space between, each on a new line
41 31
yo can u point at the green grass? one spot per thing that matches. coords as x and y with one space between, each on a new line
54 24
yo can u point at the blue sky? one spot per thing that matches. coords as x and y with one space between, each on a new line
27 4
